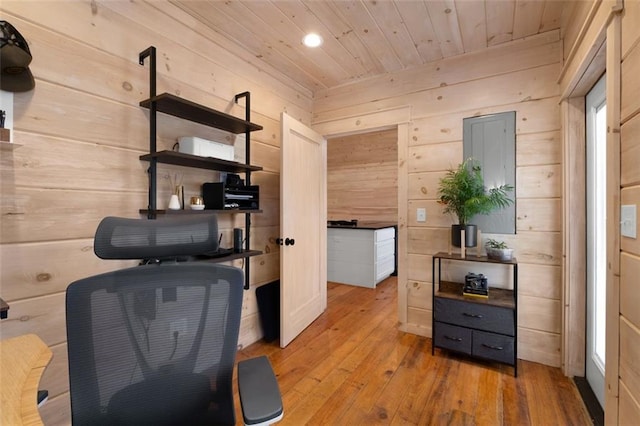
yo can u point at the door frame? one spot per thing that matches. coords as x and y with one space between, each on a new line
399 118
597 49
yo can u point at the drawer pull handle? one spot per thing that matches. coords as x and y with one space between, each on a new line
495 348
455 339
472 315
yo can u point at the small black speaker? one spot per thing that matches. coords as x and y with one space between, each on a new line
237 240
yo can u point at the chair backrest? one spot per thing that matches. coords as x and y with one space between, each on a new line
154 344
167 238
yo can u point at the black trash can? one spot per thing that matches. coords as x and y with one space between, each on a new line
268 296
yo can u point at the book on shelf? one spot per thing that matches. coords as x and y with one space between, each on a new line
475 292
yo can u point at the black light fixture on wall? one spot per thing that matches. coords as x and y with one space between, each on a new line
15 58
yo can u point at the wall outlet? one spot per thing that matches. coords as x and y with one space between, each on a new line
628 219
179 326
421 214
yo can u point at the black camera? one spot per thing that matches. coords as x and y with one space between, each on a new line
475 283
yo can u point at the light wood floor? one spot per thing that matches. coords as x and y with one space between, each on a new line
352 366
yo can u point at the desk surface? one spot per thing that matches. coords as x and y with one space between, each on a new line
22 362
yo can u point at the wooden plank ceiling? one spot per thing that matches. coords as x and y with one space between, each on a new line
364 38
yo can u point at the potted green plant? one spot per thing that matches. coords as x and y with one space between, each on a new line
462 192
498 250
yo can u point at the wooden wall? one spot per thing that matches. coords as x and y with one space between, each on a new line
362 177
82 131
615 26
629 325
520 76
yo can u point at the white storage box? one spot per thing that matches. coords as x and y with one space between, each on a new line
204 148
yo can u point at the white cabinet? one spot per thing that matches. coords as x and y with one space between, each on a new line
361 257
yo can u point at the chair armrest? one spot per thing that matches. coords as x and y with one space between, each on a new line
259 392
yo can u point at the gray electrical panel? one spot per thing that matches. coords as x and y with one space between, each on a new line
491 139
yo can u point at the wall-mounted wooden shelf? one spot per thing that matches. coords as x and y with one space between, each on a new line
229 257
182 108
195 161
207 211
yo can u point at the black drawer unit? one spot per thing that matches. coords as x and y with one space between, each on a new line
480 327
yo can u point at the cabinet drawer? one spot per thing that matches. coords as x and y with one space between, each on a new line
385 249
384 234
452 337
475 315
385 267
493 346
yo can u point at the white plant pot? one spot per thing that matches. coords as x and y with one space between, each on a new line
503 255
174 202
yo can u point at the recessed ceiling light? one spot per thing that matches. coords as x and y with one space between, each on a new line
312 40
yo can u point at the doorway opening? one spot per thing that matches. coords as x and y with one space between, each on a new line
362 193
362 177
396 120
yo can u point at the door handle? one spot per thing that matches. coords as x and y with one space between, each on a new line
287 241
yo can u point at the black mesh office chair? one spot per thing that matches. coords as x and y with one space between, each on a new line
156 343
